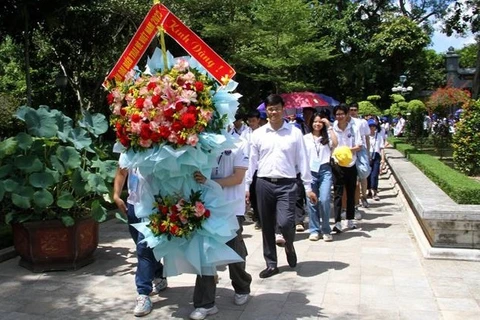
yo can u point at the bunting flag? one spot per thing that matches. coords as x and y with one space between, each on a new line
160 17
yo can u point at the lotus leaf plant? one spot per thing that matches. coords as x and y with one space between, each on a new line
54 170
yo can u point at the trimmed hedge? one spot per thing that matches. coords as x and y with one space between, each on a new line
461 188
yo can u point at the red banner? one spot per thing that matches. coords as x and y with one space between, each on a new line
159 15
197 48
139 43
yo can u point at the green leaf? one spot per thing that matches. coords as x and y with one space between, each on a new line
80 139
2 191
24 140
10 185
43 198
40 122
95 124
5 170
99 213
28 163
69 156
9 217
65 125
68 221
8 147
120 217
41 180
56 164
23 198
79 184
97 184
66 200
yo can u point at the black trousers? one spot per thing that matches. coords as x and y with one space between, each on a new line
344 180
205 286
253 197
276 206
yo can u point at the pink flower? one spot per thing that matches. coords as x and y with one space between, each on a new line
183 219
206 114
181 65
192 140
199 209
145 143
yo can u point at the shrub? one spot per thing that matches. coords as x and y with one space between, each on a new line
415 132
8 106
367 108
458 186
466 141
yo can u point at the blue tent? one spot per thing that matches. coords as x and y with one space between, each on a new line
332 102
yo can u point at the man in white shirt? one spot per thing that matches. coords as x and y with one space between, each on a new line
278 152
400 126
230 175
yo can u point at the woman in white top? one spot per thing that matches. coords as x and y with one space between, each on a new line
319 143
377 143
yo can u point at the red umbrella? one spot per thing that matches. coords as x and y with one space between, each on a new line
303 100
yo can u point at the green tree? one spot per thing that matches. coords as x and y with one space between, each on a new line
468 55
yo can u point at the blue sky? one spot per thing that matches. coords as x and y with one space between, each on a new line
441 43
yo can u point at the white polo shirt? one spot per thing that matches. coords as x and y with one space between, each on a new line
279 154
227 161
350 138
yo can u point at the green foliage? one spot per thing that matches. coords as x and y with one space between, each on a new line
399 105
466 141
468 55
458 186
368 108
8 106
12 73
374 98
414 128
52 170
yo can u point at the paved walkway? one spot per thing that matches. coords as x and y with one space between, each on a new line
374 272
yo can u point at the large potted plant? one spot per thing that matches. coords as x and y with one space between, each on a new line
54 180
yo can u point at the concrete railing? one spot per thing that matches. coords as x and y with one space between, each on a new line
445 224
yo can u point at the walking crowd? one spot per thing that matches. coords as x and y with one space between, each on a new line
282 167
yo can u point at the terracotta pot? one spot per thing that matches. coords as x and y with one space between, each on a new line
49 245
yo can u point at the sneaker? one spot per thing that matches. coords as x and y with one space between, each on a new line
299 227
358 215
279 240
364 202
143 306
369 194
343 215
159 284
314 237
327 237
202 313
351 224
376 197
338 227
257 225
240 299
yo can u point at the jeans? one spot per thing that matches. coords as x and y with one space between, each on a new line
148 267
372 181
321 186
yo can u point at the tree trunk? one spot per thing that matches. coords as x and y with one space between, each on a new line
476 76
27 56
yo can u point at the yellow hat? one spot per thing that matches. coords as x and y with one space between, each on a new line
343 156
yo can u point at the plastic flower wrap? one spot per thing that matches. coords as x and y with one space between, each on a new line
178 217
171 107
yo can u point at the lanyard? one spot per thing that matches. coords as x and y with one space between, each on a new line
317 146
218 163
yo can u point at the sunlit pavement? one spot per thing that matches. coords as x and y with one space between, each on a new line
373 272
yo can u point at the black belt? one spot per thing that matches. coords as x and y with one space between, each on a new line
279 180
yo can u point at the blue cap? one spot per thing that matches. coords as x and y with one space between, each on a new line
263 115
371 122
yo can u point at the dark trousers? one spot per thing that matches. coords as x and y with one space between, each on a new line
276 206
148 267
253 197
205 286
344 180
372 180
301 201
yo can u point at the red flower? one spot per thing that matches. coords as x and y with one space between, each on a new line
192 109
145 131
118 126
136 118
163 209
163 228
124 141
151 86
180 81
188 120
123 112
177 126
155 136
168 114
110 98
174 229
179 106
181 141
139 103
174 217
188 86
199 86
164 132
207 213
156 99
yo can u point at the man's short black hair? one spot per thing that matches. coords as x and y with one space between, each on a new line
254 114
273 100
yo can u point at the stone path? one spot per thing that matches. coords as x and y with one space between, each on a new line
374 272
